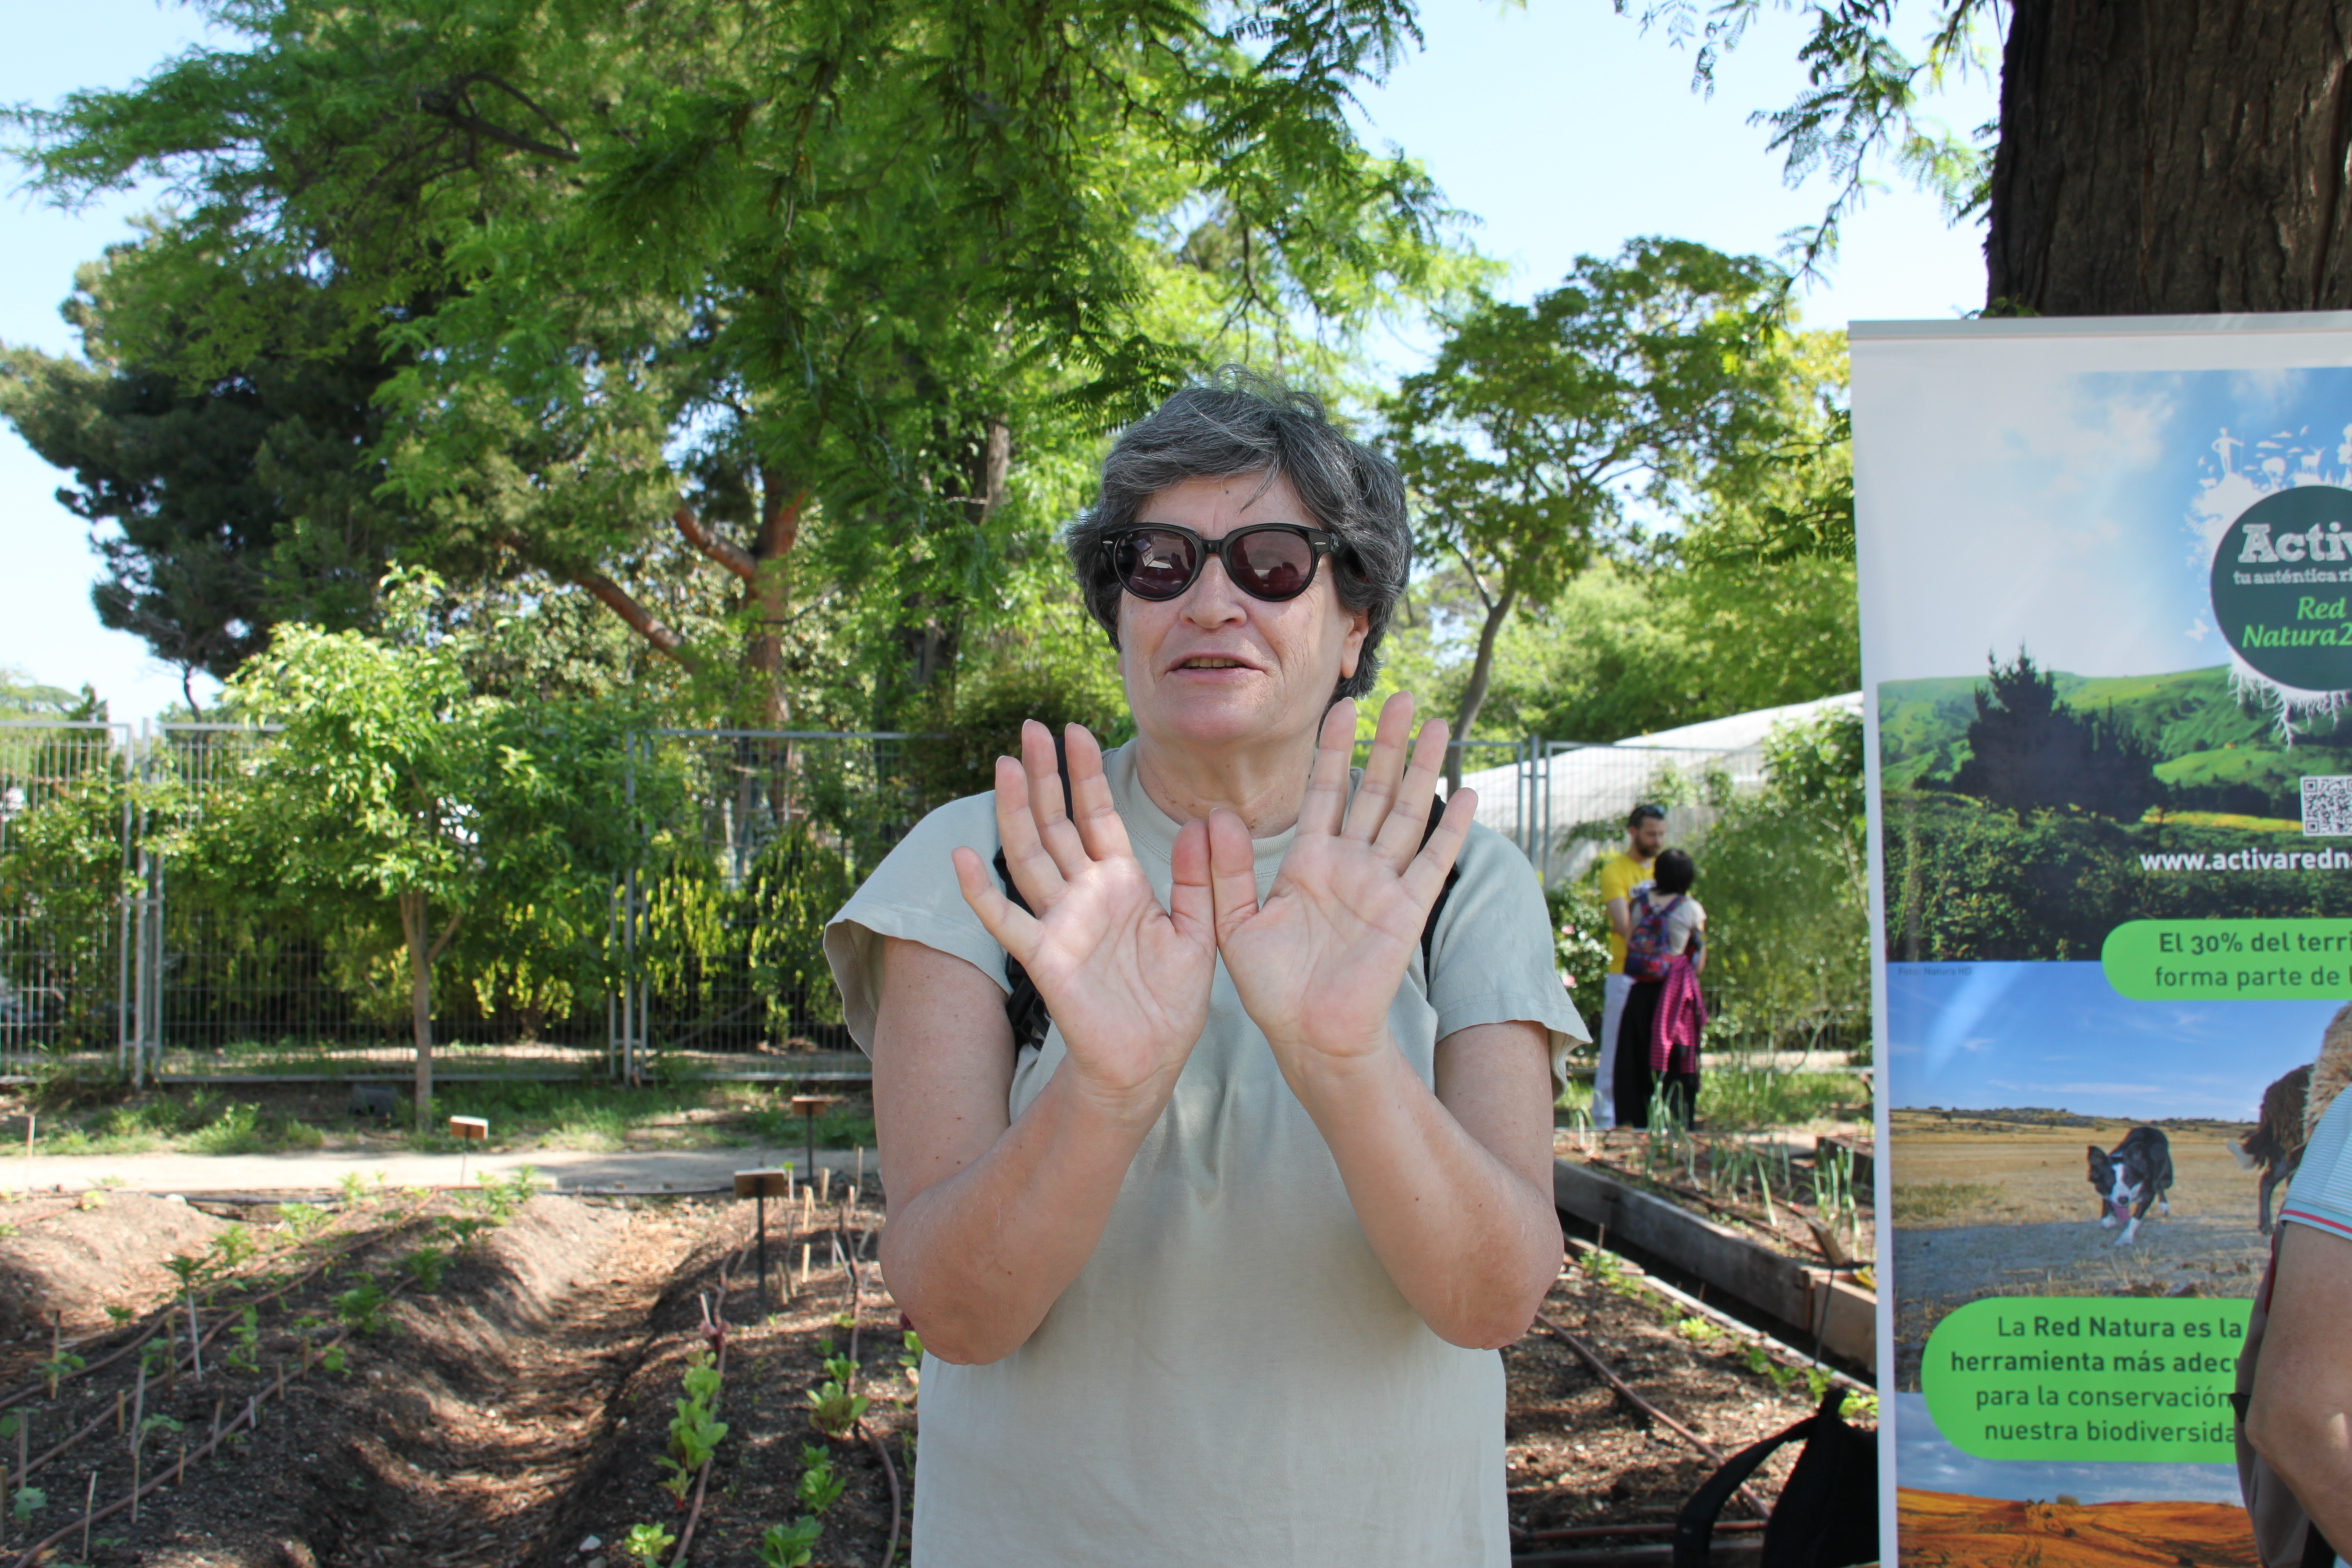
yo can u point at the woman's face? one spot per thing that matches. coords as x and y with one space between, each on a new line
1215 667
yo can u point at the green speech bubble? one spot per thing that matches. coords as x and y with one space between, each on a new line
2238 960
2075 1378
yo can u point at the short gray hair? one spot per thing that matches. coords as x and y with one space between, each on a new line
1244 423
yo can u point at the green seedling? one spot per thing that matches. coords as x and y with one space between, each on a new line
29 1501
426 1266
303 1221
58 1368
245 1354
333 1359
159 1426
844 1320
1699 1331
460 1230
91 1198
790 1545
118 1316
911 1358
819 1487
646 1543
833 1409
354 1189
361 1308
236 1245
695 1431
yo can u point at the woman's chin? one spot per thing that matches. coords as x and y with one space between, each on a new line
1215 718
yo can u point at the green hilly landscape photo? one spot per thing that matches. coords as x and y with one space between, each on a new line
2028 812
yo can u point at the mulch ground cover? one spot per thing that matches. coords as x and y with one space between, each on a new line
479 1379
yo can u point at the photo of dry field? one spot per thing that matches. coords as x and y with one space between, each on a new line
1997 1203
1944 1530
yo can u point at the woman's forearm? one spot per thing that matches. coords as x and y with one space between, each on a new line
1471 1244
977 1259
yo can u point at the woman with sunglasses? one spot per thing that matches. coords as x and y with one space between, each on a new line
1215 1272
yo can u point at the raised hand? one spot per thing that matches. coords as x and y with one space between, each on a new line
1127 982
1317 963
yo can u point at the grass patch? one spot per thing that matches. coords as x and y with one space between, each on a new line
1936 1200
1758 1097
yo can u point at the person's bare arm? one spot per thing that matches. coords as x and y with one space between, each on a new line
1620 913
2301 1416
990 1219
1452 1187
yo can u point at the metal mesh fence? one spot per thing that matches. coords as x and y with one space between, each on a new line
64 937
116 946
753 840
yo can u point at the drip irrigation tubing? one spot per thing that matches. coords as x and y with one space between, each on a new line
249 1416
714 1329
1780 1350
41 1385
1625 1391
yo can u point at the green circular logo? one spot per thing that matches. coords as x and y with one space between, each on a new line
2282 587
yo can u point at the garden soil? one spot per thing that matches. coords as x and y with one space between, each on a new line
513 1413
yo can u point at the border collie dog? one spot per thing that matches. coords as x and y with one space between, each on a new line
2136 1173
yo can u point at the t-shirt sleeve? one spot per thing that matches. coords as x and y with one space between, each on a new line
1492 959
2321 1193
912 894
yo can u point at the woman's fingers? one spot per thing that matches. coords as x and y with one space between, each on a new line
1049 804
1401 833
1034 871
1014 928
1376 792
1232 868
1100 831
1192 903
1425 877
1327 786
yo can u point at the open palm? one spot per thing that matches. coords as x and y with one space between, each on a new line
1127 982
1318 961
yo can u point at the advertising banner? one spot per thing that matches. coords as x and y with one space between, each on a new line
2106 578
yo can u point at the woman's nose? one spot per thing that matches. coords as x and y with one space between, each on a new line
1213 600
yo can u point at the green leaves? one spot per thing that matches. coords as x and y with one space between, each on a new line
695 1431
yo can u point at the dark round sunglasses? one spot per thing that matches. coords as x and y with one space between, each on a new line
1272 561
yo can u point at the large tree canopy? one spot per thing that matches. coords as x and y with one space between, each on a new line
771 281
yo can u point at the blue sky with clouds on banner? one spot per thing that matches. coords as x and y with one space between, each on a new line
1559 126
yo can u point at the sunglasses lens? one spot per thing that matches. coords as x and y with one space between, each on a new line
1156 565
1272 564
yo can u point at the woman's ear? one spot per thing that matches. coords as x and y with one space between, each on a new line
1351 648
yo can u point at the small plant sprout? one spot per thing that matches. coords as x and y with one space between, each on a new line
29 1500
426 1265
361 1308
245 1355
646 1543
354 1189
911 1358
695 1431
303 1221
819 1487
790 1545
186 1269
235 1244
833 1408
119 1315
61 1365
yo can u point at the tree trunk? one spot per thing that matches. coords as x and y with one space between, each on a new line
420 1000
1498 610
767 596
2172 157
421 957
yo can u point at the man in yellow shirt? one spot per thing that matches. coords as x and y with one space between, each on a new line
1645 835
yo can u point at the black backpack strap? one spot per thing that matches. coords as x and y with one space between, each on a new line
1694 1527
1453 875
1024 1008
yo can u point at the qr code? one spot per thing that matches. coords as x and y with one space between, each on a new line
2327 807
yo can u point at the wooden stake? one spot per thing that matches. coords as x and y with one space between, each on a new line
120 1425
134 1482
89 1507
216 1415
139 1407
180 1480
804 1262
861 1165
825 1185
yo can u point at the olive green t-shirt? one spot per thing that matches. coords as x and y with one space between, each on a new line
1232 1378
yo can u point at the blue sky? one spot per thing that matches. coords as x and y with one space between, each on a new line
1558 125
1984 1036
2010 496
1929 1463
